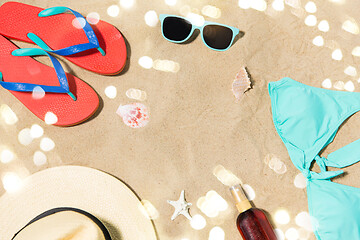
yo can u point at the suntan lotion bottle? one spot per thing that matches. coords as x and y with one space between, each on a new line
251 222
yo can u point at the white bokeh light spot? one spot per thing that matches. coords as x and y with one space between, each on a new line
50 118
325 84
127 3
303 220
145 62
111 92
79 23
282 217
350 26
148 209
211 11
36 131
356 51
310 7
337 54
46 144
324 26
278 5
351 71
136 94
38 93
25 137
6 156
318 41
196 19
166 65
310 20
293 3
259 5
171 2
339 85
279 234
300 180
12 182
113 10
349 86
244 4
216 233
292 234
39 158
198 222
212 204
151 18
93 18
8 114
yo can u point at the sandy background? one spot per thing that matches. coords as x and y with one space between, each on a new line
195 122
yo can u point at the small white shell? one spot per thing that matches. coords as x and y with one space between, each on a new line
241 83
134 115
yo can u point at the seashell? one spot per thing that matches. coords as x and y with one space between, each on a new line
241 83
134 115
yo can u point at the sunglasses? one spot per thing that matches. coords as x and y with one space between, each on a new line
216 36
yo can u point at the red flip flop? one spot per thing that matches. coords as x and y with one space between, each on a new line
66 99
99 48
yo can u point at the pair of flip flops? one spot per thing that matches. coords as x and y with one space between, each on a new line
98 48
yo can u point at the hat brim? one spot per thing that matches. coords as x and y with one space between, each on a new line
93 191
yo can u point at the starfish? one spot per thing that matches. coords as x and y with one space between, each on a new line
181 206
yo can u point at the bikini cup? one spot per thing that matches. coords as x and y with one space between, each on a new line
307 119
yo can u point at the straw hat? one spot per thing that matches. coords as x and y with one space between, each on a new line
96 192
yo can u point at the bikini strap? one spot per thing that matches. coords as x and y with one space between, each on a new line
324 174
344 156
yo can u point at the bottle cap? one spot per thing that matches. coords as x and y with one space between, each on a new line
242 203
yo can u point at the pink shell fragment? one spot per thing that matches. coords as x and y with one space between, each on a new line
134 115
241 83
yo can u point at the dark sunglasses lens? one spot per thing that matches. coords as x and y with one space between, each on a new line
218 37
176 29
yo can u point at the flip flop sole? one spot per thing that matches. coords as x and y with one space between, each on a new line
58 31
27 70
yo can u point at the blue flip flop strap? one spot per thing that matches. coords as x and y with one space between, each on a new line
89 32
29 87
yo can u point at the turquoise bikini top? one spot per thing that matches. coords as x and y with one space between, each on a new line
307 119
